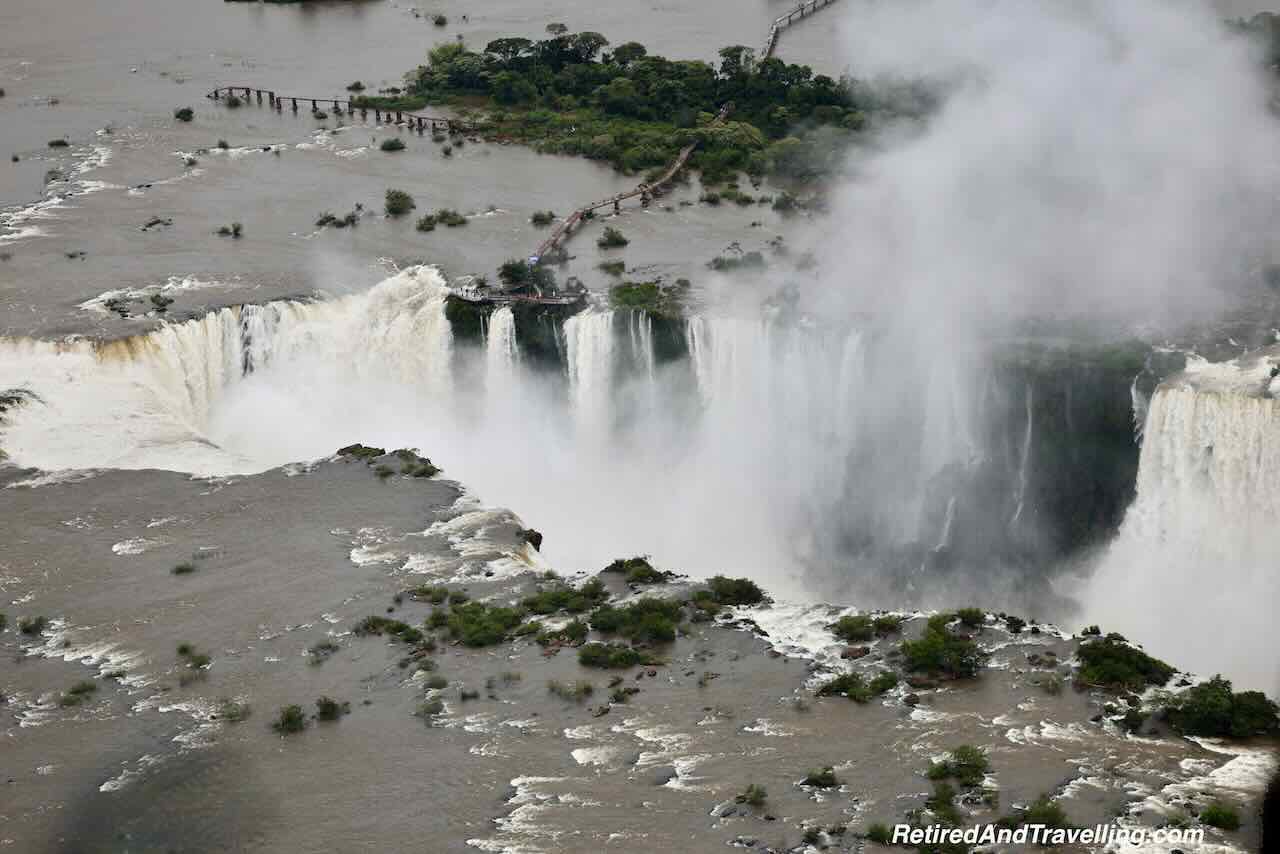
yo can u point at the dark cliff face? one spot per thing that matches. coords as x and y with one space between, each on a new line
1053 472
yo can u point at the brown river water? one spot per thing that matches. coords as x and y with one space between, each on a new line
289 554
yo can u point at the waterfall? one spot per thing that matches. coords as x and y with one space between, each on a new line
589 342
1020 495
183 396
501 354
1199 548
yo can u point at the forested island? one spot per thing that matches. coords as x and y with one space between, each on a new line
569 94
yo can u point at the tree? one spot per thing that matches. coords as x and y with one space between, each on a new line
627 53
585 46
557 29
736 61
508 50
511 88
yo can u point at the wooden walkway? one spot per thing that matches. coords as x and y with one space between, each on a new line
644 190
804 10
419 121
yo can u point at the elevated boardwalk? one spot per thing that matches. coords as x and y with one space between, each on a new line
419 121
804 10
644 190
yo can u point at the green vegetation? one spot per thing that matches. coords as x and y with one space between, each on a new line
637 570
347 221
650 297
822 778
612 239
647 620
567 95
542 218
184 114
752 260
233 712
377 625
562 597
394 143
887 624
753 795
1044 810
290 720
573 691
398 203
967 765
77 694
612 656
573 633
184 568
942 803
971 617
445 216
1015 625
857 688
355 86
361 452
478 624
1212 709
519 274
430 708
853 628
1112 664
880 833
1221 816
321 651
233 230
32 626
735 591
613 268
329 709
940 653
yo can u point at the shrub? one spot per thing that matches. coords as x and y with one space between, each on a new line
574 691
321 651
850 629
398 203
392 144
562 597
887 624
942 803
1015 625
574 632
1221 816
647 620
614 268
436 683
32 626
824 778
290 720
184 568
233 230
376 625
1044 810
361 452
355 86
233 712
542 218
611 656
880 832
735 591
967 765
1212 709
971 617
184 114
940 652
439 20
1113 664
77 694
430 708
753 795
478 624
329 709
223 144
612 239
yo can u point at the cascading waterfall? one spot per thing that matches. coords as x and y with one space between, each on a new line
1199 549
589 343
183 397
502 356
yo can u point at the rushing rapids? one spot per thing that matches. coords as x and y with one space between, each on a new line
722 441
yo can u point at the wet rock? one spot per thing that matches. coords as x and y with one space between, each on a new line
911 700
744 842
855 652
724 810
921 683
663 774
532 537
